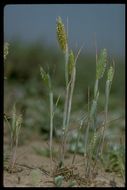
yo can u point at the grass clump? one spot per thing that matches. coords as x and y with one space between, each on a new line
14 123
94 140
14 126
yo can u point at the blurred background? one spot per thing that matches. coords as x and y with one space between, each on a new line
104 23
31 32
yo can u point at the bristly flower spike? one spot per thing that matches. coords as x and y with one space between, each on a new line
61 35
101 64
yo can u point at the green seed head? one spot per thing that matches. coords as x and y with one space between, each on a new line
44 75
71 62
61 35
101 64
110 74
19 120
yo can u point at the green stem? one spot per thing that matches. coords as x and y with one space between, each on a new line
77 141
67 90
87 129
66 107
71 95
86 138
66 66
107 90
65 104
11 140
51 119
96 98
13 158
51 124
96 88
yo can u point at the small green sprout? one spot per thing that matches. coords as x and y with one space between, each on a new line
58 180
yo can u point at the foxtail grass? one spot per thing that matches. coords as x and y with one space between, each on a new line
91 136
70 76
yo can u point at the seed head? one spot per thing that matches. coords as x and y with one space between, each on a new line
43 74
19 120
61 35
110 74
101 64
6 47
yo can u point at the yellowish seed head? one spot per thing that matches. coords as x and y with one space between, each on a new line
61 35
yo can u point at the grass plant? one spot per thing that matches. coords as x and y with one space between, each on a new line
110 75
70 77
14 126
91 137
46 77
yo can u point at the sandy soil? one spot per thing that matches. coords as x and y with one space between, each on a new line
33 170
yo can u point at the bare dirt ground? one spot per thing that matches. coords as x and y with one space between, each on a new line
33 170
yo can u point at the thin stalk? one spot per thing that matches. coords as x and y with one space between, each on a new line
68 110
74 156
96 88
47 79
88 126
51 125
13 126
51 119
13 159
106 113
66 66
96 98
92 117
70 98
65 104
66 107
15 143
5 117
64 123
69 89
66 93
72 84
94 109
